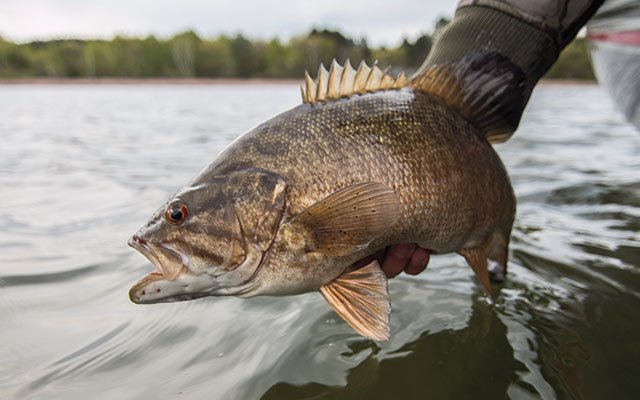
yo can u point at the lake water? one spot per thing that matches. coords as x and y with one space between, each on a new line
82 167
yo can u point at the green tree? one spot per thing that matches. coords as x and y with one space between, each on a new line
392 57
245 56
71 58
186 54
16 60
183 51
157 58
417 51
573 63
102 58
214 58
276 59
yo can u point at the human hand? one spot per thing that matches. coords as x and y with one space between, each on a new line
407 257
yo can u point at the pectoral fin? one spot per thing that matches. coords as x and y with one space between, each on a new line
361 298
350 218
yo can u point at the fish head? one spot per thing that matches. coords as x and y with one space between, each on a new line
209 239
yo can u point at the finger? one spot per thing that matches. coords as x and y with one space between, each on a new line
419 261
397 258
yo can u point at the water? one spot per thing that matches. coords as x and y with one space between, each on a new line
82 167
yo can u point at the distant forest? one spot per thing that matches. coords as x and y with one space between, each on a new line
188 55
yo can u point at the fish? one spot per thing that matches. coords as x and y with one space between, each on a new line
366 161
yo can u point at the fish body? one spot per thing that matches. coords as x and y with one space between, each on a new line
437 174
289 206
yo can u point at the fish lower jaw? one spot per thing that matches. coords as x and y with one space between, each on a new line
156 288
139 289
177 298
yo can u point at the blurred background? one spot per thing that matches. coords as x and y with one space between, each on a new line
243 39
107 108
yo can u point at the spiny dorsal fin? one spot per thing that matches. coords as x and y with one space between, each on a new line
345 81
486 88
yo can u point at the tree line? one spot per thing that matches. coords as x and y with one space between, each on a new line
189 55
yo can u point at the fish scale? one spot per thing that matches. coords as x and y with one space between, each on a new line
422 163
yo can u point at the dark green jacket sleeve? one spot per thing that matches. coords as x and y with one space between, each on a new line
530 33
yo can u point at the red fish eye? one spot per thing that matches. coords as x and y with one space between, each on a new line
176 214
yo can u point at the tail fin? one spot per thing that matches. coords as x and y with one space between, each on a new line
486 88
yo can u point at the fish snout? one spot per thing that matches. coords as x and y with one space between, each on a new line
136 241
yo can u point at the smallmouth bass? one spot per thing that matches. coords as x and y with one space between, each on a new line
366 161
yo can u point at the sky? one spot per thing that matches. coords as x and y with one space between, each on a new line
380 22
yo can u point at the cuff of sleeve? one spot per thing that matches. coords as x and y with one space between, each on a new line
478 28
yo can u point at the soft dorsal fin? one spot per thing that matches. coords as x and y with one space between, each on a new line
361 298
486 88
345 81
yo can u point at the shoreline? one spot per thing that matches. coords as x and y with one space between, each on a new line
205 81
560 82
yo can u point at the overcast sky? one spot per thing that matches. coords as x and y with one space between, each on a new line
381 22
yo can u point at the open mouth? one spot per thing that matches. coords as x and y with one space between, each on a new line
163 284
143 247
168 263
173 280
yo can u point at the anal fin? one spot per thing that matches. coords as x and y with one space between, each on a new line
361 298
477 259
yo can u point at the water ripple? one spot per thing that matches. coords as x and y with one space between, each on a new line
83 167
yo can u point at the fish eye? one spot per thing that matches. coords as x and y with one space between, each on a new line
176 213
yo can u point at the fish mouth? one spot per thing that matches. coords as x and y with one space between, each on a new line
167 281
172 280
143 248
166 260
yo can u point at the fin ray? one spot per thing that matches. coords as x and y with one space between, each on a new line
477 258
486 88
361 299
351 218
335 75
345 81
309 88
322 83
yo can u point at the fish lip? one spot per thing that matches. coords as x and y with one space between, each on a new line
160 254
155 253
143 248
